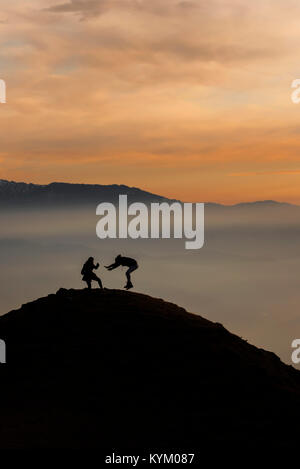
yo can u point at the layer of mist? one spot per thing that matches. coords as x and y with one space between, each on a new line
246 276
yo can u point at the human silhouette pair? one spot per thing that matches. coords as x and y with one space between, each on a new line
88 268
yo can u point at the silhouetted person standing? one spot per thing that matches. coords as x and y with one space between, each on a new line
88 274
125 261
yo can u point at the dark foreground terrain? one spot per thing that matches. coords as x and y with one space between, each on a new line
114 369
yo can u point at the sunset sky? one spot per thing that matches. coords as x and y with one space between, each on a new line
188 99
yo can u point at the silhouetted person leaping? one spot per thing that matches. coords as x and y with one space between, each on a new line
88 274
124 261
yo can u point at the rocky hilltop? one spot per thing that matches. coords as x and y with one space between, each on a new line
116 369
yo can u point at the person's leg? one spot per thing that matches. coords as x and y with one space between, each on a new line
97 279
89 284
128 272
100 283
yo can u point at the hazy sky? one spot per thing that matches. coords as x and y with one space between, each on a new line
189 99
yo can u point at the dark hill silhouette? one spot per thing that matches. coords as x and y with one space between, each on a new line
60 194
123 370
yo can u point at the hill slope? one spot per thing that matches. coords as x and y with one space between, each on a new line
56 194
119 369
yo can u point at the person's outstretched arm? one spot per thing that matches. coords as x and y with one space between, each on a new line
112 266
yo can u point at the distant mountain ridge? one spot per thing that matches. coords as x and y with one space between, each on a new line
21 193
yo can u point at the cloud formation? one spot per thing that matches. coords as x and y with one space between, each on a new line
173 96
90 8
83 7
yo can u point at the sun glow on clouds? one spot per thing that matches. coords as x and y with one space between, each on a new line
171 96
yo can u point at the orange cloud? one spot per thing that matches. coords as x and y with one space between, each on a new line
172 96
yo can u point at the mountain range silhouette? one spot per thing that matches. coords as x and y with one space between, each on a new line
56 194
116 369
